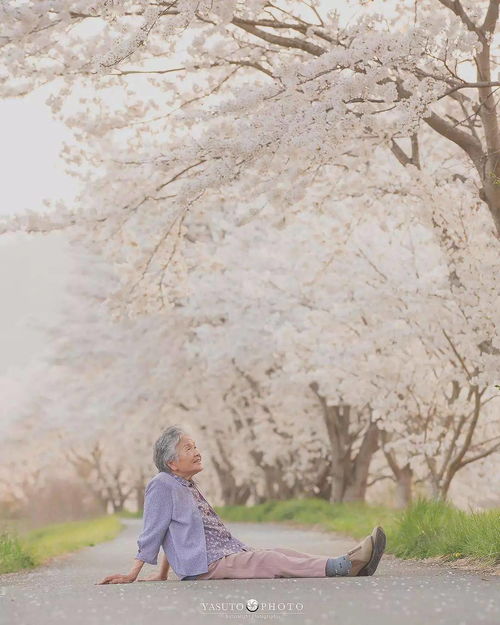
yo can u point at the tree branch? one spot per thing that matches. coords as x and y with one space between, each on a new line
485 453
286 42
468 143
456 7
491 17
471 85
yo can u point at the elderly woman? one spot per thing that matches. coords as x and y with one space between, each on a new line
196 542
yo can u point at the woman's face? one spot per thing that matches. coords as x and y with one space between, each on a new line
188 458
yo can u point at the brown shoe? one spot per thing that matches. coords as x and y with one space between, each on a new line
366 556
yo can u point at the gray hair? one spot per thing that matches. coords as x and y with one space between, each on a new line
165 449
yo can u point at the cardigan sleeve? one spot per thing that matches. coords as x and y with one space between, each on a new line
158 503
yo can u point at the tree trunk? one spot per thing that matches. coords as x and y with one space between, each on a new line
275 486
490 164
435 490
355 489
232 493
404 479
402 475
139 497
337 488
322 482
349 475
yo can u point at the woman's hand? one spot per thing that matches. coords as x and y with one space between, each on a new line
118 578
156 577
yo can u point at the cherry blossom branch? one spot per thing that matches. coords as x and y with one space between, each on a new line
484 454
286 42
471 85
456 7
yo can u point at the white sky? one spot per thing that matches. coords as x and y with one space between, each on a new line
33 274
29 156
33 269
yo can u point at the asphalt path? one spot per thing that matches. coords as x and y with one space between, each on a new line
400 592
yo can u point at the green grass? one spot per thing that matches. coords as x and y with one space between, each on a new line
356 519
12 554
37 546
425 529
431 528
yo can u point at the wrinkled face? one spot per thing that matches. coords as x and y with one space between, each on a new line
188 458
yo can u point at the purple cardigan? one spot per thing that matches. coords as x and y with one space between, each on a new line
172 521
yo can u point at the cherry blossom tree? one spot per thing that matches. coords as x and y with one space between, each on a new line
409 310
279 90
309 288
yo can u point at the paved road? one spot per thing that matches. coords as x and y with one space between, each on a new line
400 593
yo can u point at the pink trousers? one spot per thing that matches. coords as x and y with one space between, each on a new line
266 563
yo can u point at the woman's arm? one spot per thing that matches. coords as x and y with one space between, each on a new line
161 575
128 578
158 504
165 566
157 516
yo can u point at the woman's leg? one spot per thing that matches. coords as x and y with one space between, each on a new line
266 563
293 552
336 567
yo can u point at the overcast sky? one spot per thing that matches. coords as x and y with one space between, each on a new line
33 269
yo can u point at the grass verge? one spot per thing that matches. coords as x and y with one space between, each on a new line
425 529
356 519
33 548
431 528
